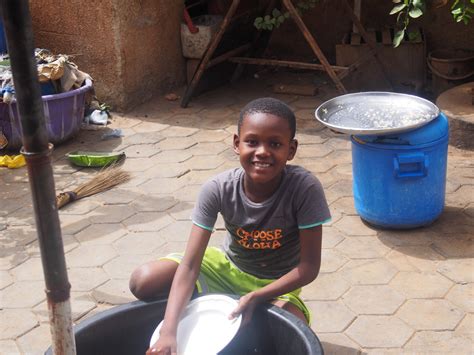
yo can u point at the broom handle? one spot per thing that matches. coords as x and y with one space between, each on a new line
19 34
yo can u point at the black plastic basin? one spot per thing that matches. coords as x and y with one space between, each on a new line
127 329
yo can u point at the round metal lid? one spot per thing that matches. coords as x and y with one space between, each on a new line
377 113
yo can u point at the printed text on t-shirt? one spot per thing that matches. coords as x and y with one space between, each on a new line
259 239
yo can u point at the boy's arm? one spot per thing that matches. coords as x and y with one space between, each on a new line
305 272
185 278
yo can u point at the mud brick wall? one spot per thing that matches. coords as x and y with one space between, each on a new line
131 48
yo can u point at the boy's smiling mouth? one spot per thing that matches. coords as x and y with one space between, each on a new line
260 164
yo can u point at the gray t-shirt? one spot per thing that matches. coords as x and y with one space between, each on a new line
262 238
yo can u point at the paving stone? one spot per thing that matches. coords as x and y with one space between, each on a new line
81 303
189 193
30 270
198 177
36 341
171 144
142 150
170 170
25 216
19 235
313 151
80 207
345 205
154 203
353 226
458 270
203 162
113 292
362 248
469 210
217 239
339 143
310 102
344 170
100 308
462 295
429 342
326 287
373 299
432 314
111 214
177 231
316 166
176 131
8 347
406 238
461 197
122 266
162 186
137 165
340 157
11 257
149 127
144 138
177 156
329 316
331 260
182 211
414 258
102 233
466 326
211 135
421 284
338 344
84 279
455 246
368 272
217 122
16 322
5 279
148 221
342 188
32 293
69 243
371 331
331 237
139 243
208 148
90 255
72 224
306 138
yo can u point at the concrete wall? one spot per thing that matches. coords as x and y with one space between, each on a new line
131 48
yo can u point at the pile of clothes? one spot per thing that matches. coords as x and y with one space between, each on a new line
56 74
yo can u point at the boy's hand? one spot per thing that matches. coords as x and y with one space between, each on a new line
247 304
166 345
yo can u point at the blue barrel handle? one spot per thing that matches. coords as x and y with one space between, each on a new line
408 165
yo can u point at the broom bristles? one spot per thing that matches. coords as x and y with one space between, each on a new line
103 181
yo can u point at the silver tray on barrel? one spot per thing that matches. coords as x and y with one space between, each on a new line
376 113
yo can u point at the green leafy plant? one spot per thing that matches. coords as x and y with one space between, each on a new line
269 22
462 11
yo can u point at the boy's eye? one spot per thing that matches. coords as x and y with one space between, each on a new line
276 144
251 142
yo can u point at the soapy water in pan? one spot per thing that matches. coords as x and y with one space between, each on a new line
383 115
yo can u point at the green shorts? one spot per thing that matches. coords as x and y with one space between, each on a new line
219 275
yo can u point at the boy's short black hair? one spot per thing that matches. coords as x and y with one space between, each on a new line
272 106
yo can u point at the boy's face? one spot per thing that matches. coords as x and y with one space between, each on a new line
264 146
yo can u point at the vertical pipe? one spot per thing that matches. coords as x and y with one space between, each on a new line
37 152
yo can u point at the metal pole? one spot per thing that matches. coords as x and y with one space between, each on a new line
37 152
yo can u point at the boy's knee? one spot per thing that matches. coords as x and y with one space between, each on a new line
139 283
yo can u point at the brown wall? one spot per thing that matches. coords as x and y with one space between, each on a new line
131 48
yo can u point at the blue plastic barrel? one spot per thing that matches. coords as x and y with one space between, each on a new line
3 42
399 181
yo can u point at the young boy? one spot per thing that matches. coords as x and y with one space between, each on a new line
273 214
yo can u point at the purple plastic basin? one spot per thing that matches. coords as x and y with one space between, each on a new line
63 115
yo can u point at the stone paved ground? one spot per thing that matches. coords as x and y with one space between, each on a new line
378 291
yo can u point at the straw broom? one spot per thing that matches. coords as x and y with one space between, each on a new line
103 181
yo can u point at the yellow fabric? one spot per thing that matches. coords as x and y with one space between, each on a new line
13 161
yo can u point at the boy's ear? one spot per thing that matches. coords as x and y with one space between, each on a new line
236 144
293 148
